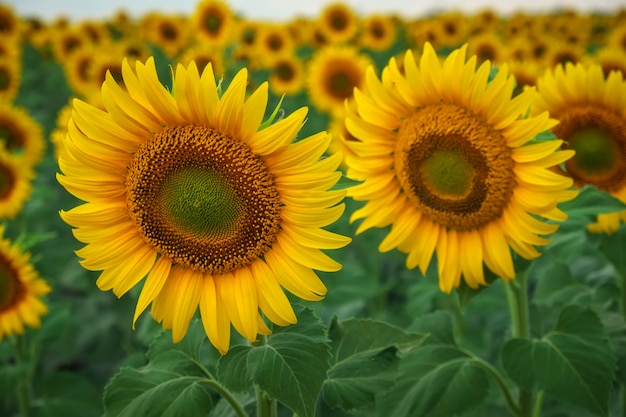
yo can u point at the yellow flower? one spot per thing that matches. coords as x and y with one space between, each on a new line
445 159
591 109
192 192
21 290
337 23
214 22
15 184
20 134
332 74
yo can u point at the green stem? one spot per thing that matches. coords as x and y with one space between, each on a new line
228 396
498 378
622 277
538 404
265 406
23 388
517 297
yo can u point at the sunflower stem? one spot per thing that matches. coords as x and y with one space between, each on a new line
228 396
23 388
265 406
517 297
622 278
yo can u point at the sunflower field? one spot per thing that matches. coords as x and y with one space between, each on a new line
330 216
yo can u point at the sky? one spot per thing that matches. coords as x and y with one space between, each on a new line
286 9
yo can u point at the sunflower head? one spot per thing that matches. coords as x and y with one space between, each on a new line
21 290
447 158
590 109
214 22
195 194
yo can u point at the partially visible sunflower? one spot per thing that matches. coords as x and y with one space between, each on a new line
192 192
273 42
287 76
379 32
9 22
609 58
447 159
20 134
77 69
10 78
487 46
591 109
337 23
213 22
21 289
169 32
563 52
15 184
453 28
332 74
202 55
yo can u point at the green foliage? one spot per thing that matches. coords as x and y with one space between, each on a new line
173 383
365 361
290 366
438 378
573 362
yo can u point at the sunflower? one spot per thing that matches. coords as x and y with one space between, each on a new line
10 78
446 159
21 290
562 52
332 74
379 32
453 28
20 134
213 22
287 75
337 23
15 184
202 54
609 58
9 22
274 41
591 109
192 192
77 69
169 32
487 46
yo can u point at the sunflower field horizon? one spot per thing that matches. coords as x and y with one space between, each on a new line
340 215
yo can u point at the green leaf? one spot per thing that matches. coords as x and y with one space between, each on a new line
290 367
365 361
437 381
437 378
345 182
590 202
573 362
172 384
556 285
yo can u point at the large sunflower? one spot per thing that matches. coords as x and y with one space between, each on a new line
192 192
445 159
21 290
591 109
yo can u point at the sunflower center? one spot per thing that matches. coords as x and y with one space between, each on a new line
11 289
200 201
340 84
7 181
212 23
599 138
454 167
5 79
203 199
448 171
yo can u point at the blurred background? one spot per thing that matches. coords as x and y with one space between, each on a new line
285 9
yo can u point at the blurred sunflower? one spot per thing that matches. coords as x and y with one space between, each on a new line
287 76
274 41
591 110
77 69
20 134
21 290
168 32
379 32
562 52
15 184
609 58
66 41
213 22
10 78
332 74
447 160
452 28
202 55
9 22
337 23
191 190
487 46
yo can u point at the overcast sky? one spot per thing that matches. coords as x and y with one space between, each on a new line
286 9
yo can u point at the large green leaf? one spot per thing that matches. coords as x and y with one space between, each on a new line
573 362
365 361
290 366
172 384
68 395
438 378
